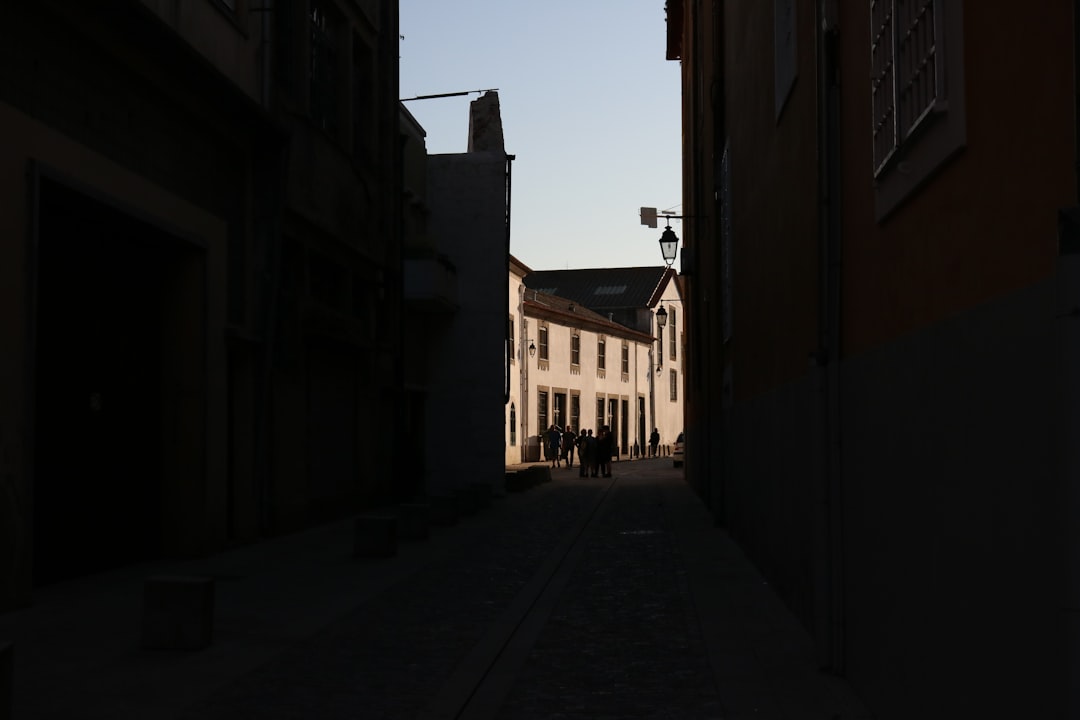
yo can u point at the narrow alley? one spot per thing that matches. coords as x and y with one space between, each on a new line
577 598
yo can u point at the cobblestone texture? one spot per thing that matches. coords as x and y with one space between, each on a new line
622 641
393 654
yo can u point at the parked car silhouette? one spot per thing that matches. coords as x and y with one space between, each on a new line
677 453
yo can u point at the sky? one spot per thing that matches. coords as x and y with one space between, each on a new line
590 109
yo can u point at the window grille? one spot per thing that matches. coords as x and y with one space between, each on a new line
541 411
905 85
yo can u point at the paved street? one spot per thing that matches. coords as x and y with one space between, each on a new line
578 598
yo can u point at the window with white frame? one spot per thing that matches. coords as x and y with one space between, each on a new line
674 385
575 348
917 94
625 360
674 335
601 353
542 341
541 411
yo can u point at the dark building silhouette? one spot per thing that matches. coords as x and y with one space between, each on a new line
881 393
200 273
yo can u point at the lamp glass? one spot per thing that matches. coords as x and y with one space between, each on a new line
532 349
661 316
669 245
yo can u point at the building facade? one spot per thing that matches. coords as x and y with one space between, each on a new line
456 271
200 271
580 367
882 376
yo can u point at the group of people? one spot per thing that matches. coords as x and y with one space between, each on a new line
594 453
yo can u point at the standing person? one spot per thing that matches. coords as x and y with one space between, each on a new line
604 449
654 442
554 442
583 454
593 451
568 441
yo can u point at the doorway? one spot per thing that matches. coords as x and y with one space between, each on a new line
107 323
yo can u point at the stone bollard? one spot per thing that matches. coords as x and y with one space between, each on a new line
375 536
539 474
7 692
178 612
517 481
413 519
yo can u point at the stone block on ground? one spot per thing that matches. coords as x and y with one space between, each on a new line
414 521
516 481
540 474
178 612
375 536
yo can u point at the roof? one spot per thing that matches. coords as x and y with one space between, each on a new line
602 289
567 312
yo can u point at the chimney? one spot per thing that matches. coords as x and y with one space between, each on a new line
485 124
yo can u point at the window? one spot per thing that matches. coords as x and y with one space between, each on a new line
513 425
510 348
626 360
599 413
541 411
674 335
575 412
323 71
601 360
363 98
543 342
674 385
575 349
917 96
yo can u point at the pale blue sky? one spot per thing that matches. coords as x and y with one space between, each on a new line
590 108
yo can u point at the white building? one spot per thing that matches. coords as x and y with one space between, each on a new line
600 356
457 222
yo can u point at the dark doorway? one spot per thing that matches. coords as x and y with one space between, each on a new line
641 424
101 281
613 423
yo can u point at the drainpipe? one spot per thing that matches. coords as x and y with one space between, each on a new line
509 166
272 179
828 355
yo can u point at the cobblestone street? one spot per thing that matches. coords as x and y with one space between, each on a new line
578 598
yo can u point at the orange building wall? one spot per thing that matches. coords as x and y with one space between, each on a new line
986 223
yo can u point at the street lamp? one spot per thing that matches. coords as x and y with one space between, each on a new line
532 349
669 246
